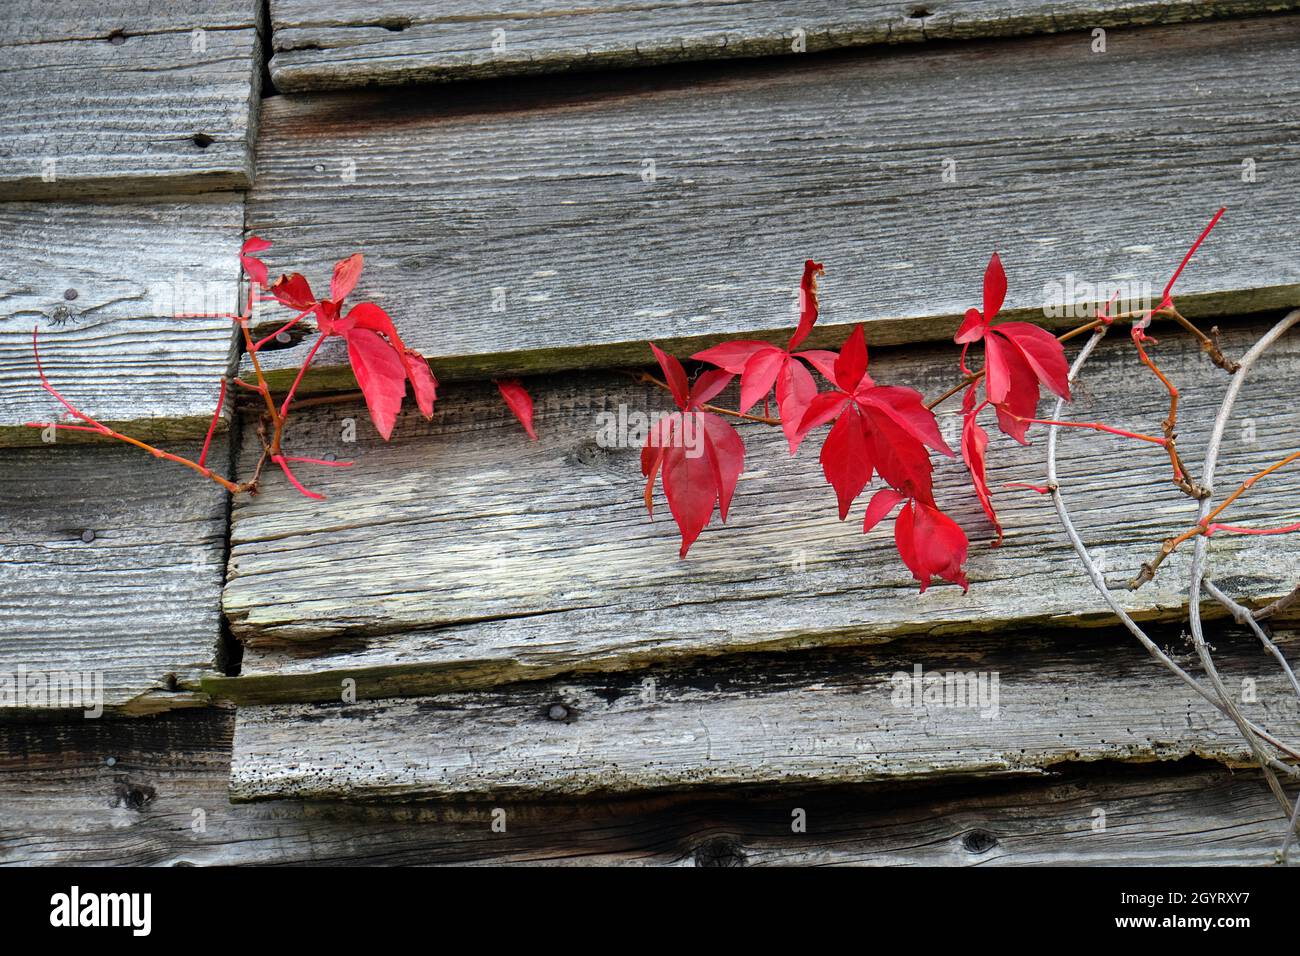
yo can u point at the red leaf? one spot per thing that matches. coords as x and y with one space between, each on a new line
972 328
882 503
808 305
732 355
820 410
1011 386
708 385
930 543
974 447
851 364
519 402
423 384
367 315
253 266
674 376
700 458
907 408
294 291
727 452
821 359
760 375
995 288
1043 351
795 390
346 273
846 458
381 375
898 457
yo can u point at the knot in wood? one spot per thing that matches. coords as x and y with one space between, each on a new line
720 851
979 841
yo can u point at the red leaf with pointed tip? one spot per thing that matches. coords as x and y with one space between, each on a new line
520 402
995 288
367 315
882 503
821 359
674 376
808 305
1011 386
732 356
846 458
900 459
795 390
423 384
851 364
253 266
974 448
346 273
381 375
930 543
760 375
906 407
1043 351
708 385
972 328
820 410
727 451
293 291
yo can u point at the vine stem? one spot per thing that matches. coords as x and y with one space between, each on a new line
1099 582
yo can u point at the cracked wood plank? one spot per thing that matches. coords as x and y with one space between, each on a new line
328 44
111 563
142 97
852 717
512 231
461 554
103 281
62 801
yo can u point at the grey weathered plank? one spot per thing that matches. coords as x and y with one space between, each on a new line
129 98
463 554
535 197
770 721
323 45
103 281
111 562
127 792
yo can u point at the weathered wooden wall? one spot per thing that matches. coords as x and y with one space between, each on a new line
471 621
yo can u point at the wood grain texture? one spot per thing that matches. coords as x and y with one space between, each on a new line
141 97
461 554
322 45
1076 166
771 720
154 792
111 562
104 281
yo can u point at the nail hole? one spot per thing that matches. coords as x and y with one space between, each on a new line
557 712
110 761
88 536
69 294
117 38
979 841
202 140
918 13
284 338
135 796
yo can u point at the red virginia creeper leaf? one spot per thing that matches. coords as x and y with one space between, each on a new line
851 363
674 376
760 375
974 448
732 356
253 266
381 375
294 291
808 305
708 385
821 359
1043 351
995 288
882 503
346 273
930 543
520 402
846 458
795 390
423 384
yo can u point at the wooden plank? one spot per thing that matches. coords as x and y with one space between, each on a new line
127 98
111 563
851 718
154 792
103 281
461 554
322 45
533 201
